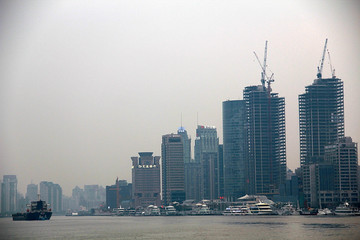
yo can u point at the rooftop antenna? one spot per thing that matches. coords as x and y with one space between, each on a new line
181 121
319 74
197 119
331 68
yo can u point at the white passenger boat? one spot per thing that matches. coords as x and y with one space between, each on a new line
170 211
346 210
325 211
204 210
237 211
262 208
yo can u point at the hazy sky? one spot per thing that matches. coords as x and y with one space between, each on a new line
85 85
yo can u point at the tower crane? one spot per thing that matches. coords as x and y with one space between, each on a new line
264 66
319 74
331 67
264 77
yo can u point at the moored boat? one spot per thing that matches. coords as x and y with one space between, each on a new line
309 211
204 210
170 211
346 210
262 208
325 211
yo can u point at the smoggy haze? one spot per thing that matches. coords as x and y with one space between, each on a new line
85 85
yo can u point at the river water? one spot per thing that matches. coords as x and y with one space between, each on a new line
184 227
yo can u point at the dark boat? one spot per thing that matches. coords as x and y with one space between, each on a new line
310 211
38 211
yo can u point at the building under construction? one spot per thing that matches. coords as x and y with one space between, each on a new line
266 139
321 122
254 140
321 112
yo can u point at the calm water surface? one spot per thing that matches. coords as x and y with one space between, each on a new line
188 227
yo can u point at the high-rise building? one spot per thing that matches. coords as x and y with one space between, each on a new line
343 155
193 180
265 113
187 144
1 197
173 175
321 112
119 194
192 169
9 194
32 192
221 170
146 180
52 194
94 196
235 150
321 121
206 153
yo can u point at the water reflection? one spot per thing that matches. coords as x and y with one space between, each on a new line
325 225
254 223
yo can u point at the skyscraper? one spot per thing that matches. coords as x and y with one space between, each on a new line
119 194
1 197
321 122
343 155
9 194
187 144
254 141
52 194
221 170
265 113
94 196
206 153
31 192
146 180
321 112
235 149
193 180
191 168
173 175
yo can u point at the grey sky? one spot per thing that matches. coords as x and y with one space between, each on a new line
85 85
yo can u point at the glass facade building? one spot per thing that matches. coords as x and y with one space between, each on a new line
236 180
206 153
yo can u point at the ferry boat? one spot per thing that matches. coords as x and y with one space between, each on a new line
152 211
118 211
231 211
38 211
170 211
345 210
261 208
204 210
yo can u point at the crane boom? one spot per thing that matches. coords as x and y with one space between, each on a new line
319 74
331 67
265 57
262 68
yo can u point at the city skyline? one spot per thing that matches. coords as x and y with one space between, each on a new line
76 80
